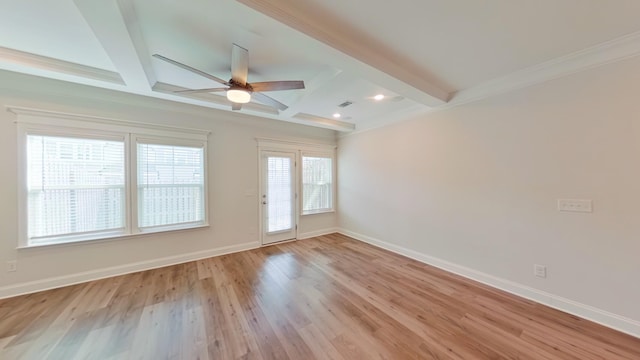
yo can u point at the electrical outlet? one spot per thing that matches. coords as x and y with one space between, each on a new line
575 205
540 271
12 266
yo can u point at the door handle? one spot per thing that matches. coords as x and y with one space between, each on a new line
264 203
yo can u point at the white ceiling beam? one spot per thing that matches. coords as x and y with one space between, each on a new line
319 80
114 23
28 60
378 67
324 122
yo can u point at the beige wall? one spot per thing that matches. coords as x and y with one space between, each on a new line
474 188
233 166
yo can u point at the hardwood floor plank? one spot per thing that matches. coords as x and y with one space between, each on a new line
328 297
243 280
319 345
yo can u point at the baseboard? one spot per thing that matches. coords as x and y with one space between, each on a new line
60 281
608 319
315 233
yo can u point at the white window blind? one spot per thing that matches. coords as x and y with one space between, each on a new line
75 186
317 184
170 185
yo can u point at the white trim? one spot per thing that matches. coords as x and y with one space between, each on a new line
614 321
284 144
321 232
60 281
59 66
43 117
122 236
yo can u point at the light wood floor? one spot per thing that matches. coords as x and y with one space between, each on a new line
329 297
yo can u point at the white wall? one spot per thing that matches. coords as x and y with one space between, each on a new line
233 166
474 189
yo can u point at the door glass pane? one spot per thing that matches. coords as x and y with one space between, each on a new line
279 201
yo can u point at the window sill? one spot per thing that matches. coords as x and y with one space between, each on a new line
316 212
109 238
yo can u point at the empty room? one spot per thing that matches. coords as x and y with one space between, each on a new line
319 179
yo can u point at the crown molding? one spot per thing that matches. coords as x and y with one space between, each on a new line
59 66
604 53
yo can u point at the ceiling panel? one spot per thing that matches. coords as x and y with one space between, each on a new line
466 42
416 52
55 29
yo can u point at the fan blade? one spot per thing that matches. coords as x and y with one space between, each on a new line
189 68
269 101
195 91
236 106
239 64
277 85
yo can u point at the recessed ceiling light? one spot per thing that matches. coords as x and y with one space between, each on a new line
378 97
336 115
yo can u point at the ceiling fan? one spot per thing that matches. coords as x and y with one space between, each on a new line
239 91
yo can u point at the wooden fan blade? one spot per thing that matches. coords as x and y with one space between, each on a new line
236 106
239 64
269 101
189 68
277 85
195 91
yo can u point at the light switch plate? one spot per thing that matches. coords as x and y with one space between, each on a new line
575 205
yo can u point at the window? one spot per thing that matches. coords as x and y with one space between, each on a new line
317 183
75 186
170 185
92 178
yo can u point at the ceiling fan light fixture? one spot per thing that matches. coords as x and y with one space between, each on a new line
240 96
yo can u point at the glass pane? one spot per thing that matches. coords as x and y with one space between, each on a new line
170 185
316 184
74 186
279 194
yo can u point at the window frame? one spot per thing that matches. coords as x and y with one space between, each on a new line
318 154
23 200
40 122
161 140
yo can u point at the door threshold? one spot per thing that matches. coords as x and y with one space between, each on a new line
279 242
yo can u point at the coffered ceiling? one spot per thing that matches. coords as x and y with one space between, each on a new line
422 55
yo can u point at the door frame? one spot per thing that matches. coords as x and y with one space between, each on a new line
262 187
284 145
